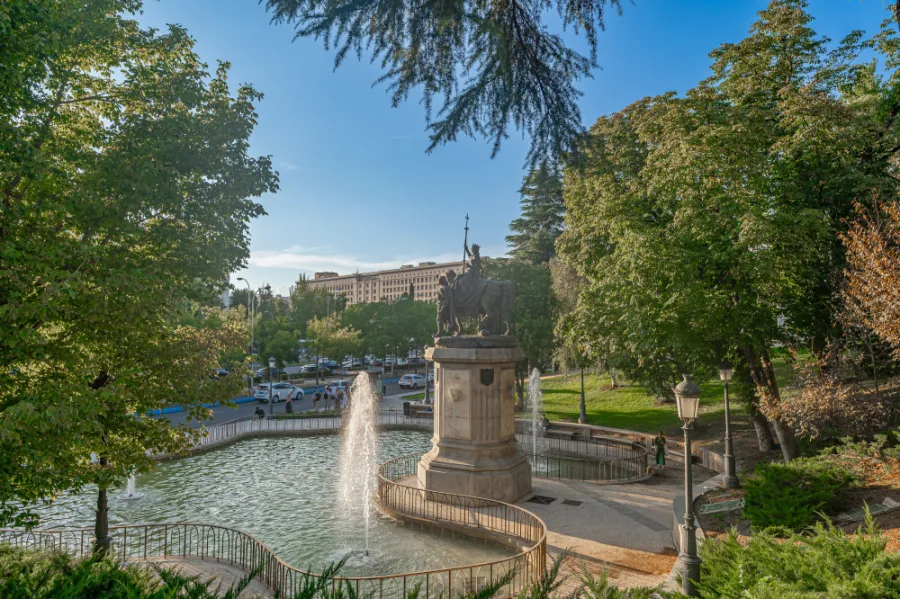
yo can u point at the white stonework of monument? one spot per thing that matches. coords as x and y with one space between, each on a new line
475 451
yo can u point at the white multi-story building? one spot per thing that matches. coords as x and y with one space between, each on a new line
386 285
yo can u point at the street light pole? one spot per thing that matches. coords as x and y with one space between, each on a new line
731 479
250 312
687 395
271 368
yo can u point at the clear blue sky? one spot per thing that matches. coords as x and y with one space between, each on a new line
358 190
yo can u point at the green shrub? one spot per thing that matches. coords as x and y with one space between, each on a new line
40 574
789 495
824 563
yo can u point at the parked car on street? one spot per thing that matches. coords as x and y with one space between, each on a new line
264 372
280 392
412 381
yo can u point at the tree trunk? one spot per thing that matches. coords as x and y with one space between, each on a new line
763 375
763 433
613 381
785 433
102 540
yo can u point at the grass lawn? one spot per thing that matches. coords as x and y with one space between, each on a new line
416 397
627 407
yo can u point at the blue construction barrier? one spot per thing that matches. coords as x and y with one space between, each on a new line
179 408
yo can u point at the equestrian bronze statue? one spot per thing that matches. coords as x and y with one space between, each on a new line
470 295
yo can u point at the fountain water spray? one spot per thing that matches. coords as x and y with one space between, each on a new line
131 489
536 403
359 452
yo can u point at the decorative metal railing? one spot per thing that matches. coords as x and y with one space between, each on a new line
589 459
585 458
501 521
508 523
248 427
588 470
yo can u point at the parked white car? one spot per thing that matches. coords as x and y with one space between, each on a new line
412 381
280 392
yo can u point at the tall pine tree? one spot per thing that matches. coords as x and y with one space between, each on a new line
535 232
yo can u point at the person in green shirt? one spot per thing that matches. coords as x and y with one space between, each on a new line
660 443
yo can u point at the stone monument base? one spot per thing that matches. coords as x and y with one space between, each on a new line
475 451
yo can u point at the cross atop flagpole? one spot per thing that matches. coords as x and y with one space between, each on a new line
465 244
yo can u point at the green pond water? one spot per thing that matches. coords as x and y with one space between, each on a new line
283 491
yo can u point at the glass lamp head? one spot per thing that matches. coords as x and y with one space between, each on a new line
726 371
271 362
687 396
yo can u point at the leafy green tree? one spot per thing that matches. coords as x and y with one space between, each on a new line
395 327
492 64
535 232
333 340
698 222
284 347
240 297
532 313
126 190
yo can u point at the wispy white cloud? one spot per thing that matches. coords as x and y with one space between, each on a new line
288 165
315 259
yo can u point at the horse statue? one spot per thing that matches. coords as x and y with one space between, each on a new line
470 295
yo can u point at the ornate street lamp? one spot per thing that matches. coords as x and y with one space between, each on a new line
271 368
731 480
687 394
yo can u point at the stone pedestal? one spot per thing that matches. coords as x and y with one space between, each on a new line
475 450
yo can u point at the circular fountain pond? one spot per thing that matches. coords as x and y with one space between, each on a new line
283 491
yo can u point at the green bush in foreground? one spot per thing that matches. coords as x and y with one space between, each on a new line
823 563
789 495
53 575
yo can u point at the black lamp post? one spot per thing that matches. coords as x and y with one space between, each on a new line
731 480
271 368
687 394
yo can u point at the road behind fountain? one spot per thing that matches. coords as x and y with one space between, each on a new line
283 491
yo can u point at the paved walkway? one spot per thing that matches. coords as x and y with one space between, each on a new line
222 575
623 529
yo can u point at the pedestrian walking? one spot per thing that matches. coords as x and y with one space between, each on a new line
288 406
316 397
339 399
660 443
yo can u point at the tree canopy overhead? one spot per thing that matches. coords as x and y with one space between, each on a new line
126 192
708 224
492 66
534 233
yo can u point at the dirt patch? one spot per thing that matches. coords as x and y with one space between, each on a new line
879 480
718 525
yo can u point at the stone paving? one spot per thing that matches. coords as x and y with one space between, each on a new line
623 529
222 575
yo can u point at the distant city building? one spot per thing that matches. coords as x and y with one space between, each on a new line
385 285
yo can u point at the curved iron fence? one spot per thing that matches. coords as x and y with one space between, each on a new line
248 427
501 521
597 459
590 459
235 548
